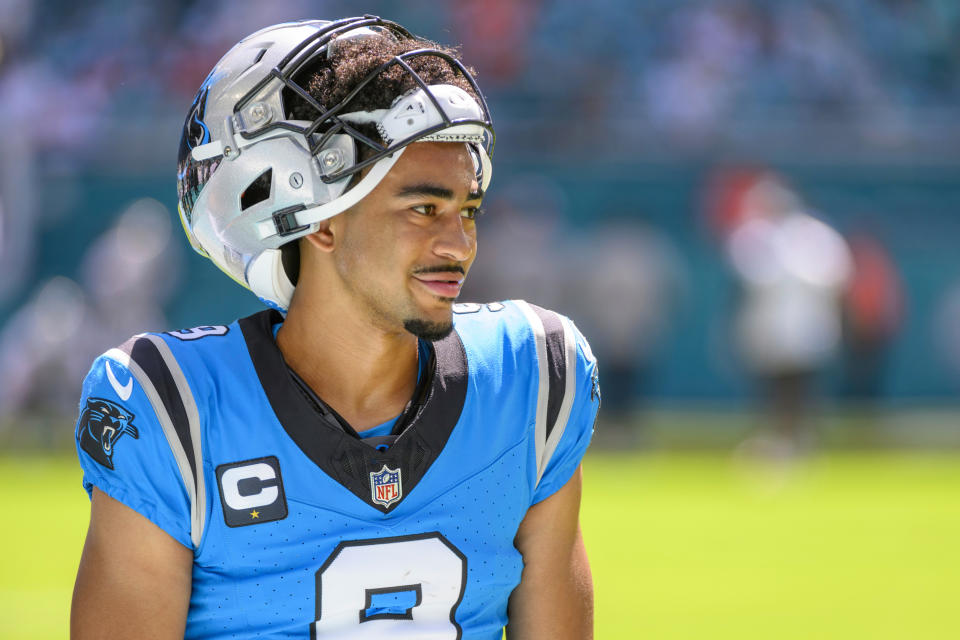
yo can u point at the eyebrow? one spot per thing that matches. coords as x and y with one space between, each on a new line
427 189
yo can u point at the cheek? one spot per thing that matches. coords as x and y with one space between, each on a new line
411 244
374 249
476 248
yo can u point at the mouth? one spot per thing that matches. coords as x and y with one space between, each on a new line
443 285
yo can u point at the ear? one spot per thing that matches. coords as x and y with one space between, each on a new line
323 238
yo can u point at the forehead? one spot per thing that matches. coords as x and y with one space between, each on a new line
448 163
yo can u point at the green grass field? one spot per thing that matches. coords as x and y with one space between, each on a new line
845 546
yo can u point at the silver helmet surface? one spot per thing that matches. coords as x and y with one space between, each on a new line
252 177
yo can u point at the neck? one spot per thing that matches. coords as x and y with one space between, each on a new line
365 373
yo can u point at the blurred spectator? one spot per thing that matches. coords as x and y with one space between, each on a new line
711 47
48 344
44 352
792 269
131 271
628 279
873 313
947 329
520 245
494 35
18 205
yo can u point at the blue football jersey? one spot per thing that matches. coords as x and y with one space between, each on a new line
302 529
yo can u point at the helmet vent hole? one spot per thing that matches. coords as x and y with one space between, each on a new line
259 56
257 191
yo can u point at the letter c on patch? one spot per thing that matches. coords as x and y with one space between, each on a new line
230 484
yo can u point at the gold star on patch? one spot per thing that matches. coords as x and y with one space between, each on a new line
254 514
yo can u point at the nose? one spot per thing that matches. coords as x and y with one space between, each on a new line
454 240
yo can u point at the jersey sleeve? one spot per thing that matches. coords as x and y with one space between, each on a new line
126 442
578 430
567 401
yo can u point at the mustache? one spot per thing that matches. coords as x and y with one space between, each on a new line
447 268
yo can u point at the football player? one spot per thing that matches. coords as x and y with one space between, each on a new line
364 459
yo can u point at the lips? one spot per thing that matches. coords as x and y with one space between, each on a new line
444 285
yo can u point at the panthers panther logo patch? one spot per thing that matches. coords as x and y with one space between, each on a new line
101 424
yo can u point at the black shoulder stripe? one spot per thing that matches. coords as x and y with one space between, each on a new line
556 363
148 357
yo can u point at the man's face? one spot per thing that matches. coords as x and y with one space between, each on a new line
405 249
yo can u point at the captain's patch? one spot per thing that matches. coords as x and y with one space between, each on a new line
252 492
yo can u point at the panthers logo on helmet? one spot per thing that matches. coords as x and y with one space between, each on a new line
195 130
101 424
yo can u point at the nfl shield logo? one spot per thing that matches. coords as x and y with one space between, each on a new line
385 486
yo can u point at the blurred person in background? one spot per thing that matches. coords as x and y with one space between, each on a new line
18 203
628 278
44 352
873 308
792 270
946 329
46 346
524 228
130 272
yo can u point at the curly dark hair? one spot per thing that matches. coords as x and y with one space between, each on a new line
330 80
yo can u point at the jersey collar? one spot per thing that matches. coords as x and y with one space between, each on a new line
324 437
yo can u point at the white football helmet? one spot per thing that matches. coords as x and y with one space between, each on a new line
239 134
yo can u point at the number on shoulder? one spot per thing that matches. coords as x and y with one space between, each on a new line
199 332
473 307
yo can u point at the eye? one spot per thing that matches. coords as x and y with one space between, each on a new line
471 213
425 209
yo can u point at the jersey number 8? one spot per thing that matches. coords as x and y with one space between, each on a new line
408 587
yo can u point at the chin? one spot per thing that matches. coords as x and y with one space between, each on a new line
429 329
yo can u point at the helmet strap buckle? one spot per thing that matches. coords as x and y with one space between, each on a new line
285 220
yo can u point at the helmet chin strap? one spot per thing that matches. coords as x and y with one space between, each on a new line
313 215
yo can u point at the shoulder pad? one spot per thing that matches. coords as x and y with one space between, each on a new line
150 360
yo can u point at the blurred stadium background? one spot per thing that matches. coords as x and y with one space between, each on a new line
751 207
